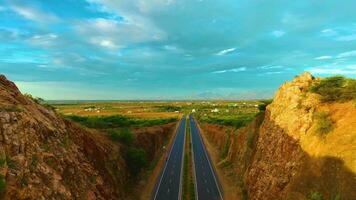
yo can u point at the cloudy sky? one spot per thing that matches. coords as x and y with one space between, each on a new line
172 49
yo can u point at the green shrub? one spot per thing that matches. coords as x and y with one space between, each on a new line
336 196
315 195
125 136
264 104
336 88
37 100
117 121
225 150
2 161
324 123
250 137
235 121
2 184
136 159
168 108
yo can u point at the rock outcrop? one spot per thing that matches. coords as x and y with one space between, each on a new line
43 156
284 157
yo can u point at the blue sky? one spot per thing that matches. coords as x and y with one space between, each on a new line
172 49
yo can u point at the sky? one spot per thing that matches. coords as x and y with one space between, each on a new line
172 49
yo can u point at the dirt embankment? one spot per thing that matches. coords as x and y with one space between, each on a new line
281 155
43 156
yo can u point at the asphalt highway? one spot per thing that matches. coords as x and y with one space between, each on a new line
169 185
207 187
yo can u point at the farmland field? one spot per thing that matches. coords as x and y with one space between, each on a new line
219 112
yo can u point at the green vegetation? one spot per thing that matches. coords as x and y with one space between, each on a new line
168 108
123 135
264 104
226 147
9 109
188 179
136 159
2 161
315 195
235 121
250 137
324 123
2 184
34 162
35 99
336 88
336 196
116 121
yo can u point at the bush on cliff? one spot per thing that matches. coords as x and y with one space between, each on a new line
125 136
324 123
136 159
336 88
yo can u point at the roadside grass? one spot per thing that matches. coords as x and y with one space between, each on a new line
335 88
188 178
228 120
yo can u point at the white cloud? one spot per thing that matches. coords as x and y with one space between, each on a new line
347 38
114 34
332 71
240 69
323 58
34 14
278 33
328 32
108 44
45 40
346 54
225 51
271 67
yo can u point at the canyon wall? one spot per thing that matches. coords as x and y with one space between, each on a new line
43 156
281 155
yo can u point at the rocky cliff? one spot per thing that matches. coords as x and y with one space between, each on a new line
43 156
283 155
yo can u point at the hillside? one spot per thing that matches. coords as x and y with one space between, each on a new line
43 156
302 147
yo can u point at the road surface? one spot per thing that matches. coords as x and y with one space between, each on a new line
207 187
169 186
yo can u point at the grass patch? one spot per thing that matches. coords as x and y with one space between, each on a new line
315 195
136 159
116 121
250 137
168 108
2 161
11 108
264 104
124 135
2 184
336 88
237 122
225 150
324 123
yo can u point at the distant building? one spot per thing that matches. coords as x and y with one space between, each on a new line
215 110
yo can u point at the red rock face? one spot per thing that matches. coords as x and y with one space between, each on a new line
43 156
47 157
276 159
